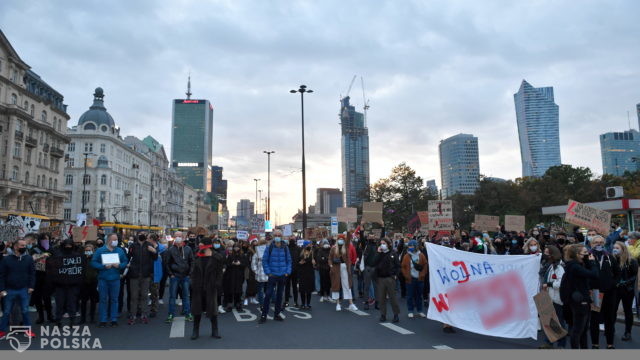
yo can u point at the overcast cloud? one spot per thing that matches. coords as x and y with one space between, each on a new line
432 69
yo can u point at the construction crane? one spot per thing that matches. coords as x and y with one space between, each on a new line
350 86
365 102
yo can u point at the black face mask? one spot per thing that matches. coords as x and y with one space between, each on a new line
22 250
67 249
585 258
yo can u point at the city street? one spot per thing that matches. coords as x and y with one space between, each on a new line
320 328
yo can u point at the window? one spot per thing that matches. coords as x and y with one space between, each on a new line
70 162
14 99
89 126
104 128
44 181
15 175
86 179
26 106
67 214
55 122
19 125
103 148
85 196
71 147
50 183
68 179
55 184
88 147
103 180
17 149
33 110
38 181
28 157
26 178
43 116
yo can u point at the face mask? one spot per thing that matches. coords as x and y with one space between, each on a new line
216 246
22 250
178 240
589 238
384 248
616 251
88 253
340 242
585 257
533 248
514 242
44 244
535 233
277 239
29 246
114 243
326 246
598 248
485 235
626 237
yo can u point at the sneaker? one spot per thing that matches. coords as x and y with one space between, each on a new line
353 307
161 302
422 315
131 321
30 334
410 315
149 303
3 334
114 324
144 320
321 298
169 319
189 317
254 301
383 318
278 317
221 309
246 302
179 302
32 309
338 307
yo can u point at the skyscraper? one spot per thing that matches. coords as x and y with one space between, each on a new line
328 201
638 111
459 165
192 140
244 208
538 128
218 185
432 187
619 150
355 154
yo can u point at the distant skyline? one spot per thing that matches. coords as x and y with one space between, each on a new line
431 70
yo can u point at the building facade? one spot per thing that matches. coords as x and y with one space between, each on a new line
355 154
245 208
432 187
459 165
538 129
33 124
219 186
192 141
328 201
620 152
115 184
190 206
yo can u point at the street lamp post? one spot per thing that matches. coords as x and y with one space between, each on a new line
255 205
302 90
84 180
268 183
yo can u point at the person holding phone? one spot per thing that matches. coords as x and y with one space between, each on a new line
109 279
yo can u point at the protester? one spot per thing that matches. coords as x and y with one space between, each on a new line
142 257
251 289
206 278
256 266
387 268
292 279
322 263
609 275
236 262
551 281
218 247
531 247
179 266
89 288
277 265
66 269
625 286
369 255
306 275
340 273
17 282
158 273
414 268
109 280
41 296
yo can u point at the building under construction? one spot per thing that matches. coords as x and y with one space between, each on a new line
355 154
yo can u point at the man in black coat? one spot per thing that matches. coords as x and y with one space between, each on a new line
142 256
66 269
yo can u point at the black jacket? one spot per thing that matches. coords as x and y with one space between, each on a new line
609 272
322 258
206 278
17 272
67 268
628 275
387 264
141 260
179 261
294 250
579 277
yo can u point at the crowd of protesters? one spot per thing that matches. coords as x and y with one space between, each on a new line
586 276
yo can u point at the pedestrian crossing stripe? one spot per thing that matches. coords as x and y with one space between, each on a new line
442 347
177 327
397 329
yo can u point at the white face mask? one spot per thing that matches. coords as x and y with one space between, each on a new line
326 246
114 243
533 248
384 248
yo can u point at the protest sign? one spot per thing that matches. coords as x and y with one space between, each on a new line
372 212
486 222
320 233
242 235
548 317
423 218
286 230
24 224
84 233
67 267
589 217
377 233
440 215
257 224
347 215
110 259
485 294
514 223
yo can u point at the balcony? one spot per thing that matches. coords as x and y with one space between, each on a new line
45 147
58 153
19 135
31 142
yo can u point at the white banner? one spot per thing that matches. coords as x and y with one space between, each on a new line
485 294
242 235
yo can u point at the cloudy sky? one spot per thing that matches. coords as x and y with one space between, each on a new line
431 69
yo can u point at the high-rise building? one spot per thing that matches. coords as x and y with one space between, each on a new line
538 128
33 126
355 154
218 185
192 140
620 152
638 112
244 208
432 187
328 201
459 165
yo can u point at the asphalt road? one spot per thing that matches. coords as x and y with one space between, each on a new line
321 328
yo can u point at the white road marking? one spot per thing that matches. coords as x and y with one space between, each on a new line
397 329
177 327
245 315
442 347
360 312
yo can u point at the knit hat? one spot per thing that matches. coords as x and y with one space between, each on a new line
413 243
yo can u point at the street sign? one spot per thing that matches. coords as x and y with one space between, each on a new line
334 225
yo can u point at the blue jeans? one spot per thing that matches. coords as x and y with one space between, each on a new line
183 283
275 283
20 296
262 289
109 291
414 295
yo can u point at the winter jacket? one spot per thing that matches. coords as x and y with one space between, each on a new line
579 278
157 265
407 265
256 264
387 264
634 250
111 273
369 253
17 272
628 276
609 273
294 251
206 279
179 261
322 258
553 285
142 261
611 239
277 260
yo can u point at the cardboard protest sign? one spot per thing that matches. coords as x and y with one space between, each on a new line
423 218
377 233
347 215
485 294
440 215
84 233
486 222
372 212
514 223
320 233
589 217
286 230
548 317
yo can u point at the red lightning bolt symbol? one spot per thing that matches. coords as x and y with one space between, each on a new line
85 231
571 206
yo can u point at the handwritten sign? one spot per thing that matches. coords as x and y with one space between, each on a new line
486 222
514 223
589 217
84 233
347 215
440 215
372 212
